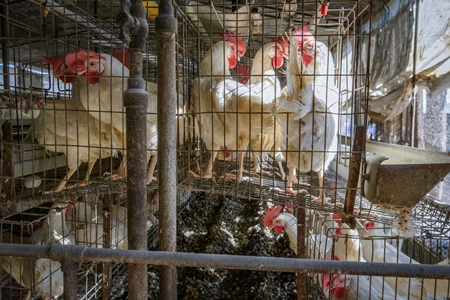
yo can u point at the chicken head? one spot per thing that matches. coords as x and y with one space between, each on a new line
270 220
280 53
335 282
86 63
236 39
340 284
60 69
302 34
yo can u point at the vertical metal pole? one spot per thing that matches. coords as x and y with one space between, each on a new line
8 164
135 30
106 279
414 94
301 253
354 169
5 44
166 27
70 269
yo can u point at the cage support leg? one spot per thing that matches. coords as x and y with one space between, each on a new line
166 28
133 19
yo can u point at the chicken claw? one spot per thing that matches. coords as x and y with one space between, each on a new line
325 201
297 180
236 177
290 191
78 184
114 175
204 175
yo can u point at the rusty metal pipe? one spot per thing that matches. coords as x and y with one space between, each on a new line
166 26
237 262
133 19
69 266
355 170
70 269
106 282
8 165
301 252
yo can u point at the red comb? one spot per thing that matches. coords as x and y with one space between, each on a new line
338 220
122 55
55 61
270 214
236 39
74 58
302 34
59 70
369 225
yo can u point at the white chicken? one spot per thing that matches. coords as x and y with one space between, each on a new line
43 275
66 127
103 98
265 84
377 249
355 287
321 246
224 107
312 116
86 220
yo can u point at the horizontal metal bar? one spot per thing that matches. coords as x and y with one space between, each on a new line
237 262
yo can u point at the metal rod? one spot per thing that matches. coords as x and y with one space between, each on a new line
166 27
237 262
5 45
354 170
8 165
70 269
414 93
301 252
106 282
133 17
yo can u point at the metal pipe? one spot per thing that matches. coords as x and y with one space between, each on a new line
301 252
166 27
133 18
78 253
69 265
354 169
106 282
414 92
70 269
8 165
5 44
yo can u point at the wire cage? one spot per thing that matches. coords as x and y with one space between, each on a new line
271 124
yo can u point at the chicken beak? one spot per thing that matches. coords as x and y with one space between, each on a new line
81 72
